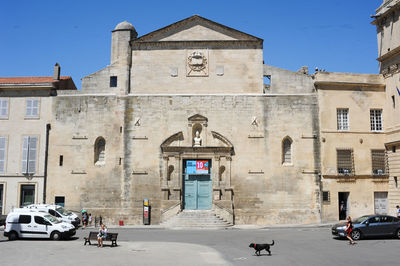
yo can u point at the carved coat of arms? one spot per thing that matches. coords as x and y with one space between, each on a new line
197 64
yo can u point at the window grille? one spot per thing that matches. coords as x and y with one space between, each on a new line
376 119
3 108
343 119
345 162
378 162
287 151
326 196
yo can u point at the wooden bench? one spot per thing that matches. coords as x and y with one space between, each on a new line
110 237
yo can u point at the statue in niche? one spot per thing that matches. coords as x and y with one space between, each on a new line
197 139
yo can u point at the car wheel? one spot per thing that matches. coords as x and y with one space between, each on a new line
12 236
55 235
398 234
356 235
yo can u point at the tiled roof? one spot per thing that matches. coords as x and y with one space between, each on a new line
28 80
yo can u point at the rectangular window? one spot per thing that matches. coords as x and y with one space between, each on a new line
61 160
393 101
27 195
326 196
345 162
29 154
60 201
376 119
378 162
32 108
113 81
343 119
2 155
24 219
3 108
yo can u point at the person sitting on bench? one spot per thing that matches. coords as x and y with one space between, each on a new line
101 235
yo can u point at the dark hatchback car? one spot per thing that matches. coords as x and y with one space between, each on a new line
370 226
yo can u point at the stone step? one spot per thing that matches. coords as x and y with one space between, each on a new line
196 219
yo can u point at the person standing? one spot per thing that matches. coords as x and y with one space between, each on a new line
349 229
398 211
90 219
101 235
84 219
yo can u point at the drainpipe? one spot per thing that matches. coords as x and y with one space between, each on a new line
46 157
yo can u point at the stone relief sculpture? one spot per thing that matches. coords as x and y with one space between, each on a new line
197 140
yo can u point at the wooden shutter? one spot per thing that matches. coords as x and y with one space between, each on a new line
2 154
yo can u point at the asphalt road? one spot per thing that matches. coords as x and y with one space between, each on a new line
293 246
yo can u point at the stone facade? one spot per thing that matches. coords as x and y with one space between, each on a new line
387 23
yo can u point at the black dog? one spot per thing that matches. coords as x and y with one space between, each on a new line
259 247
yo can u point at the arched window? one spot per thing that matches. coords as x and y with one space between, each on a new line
100 151
287 151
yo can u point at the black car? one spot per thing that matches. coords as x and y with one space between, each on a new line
370 226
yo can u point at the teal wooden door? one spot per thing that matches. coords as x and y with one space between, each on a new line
197 192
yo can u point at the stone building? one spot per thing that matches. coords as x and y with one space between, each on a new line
25 117
387 24
182 117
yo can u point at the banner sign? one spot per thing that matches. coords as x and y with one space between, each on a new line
197 167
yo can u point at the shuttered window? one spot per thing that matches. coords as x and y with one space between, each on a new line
345 161
2 154
29 154
378 162
32 108
342 119
376 119
3 108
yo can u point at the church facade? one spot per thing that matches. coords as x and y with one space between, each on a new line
190 118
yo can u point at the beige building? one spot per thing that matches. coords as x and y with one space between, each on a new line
353 165
25 115
388 29
182 117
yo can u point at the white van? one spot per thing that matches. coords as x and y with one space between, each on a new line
57 211
21 223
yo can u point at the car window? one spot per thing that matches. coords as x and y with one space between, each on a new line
24 219
396 220
374 220
39 220
386 219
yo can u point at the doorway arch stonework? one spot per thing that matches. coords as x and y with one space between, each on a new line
216 148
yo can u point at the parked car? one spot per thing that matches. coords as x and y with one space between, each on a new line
57 211
370 226
21 223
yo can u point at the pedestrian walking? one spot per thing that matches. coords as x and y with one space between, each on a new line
349 229
90 219
84 219
397 211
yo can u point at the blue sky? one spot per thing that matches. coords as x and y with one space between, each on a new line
335 35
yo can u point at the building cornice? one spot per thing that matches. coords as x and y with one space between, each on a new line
333 85
235 44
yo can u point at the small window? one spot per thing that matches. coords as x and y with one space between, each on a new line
378 162
376 119
99 151
113 81
32 108
61 161
39 220
3 108
287 151
393 149
342 119
326 197
393 101
345 162
24 219
27 195
60 201
2 155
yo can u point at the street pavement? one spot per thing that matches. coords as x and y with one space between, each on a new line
157 246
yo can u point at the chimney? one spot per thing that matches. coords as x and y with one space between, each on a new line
57 70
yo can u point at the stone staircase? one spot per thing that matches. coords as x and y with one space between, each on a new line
196 219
